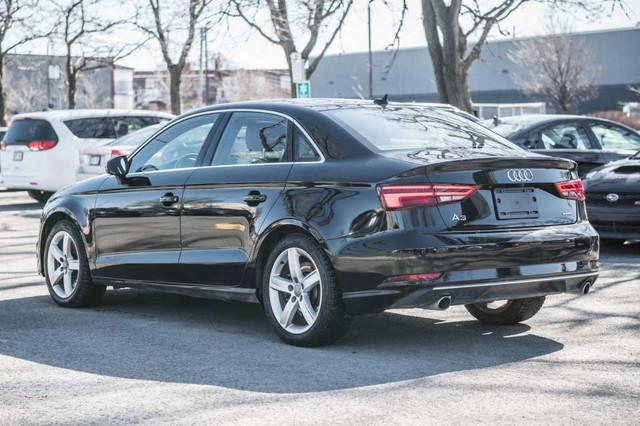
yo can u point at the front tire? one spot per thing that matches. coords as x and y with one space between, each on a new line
67 269
511 312
302 298
40 196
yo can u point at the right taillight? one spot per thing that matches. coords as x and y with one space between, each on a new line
396 197
3 145
571 190
42 145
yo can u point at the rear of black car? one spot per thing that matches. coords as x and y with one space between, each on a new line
472 219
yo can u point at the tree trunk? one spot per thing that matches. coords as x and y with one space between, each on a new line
3 97
71 91
175 77
447 55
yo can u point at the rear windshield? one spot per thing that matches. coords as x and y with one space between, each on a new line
136 138
400 128
108 127
25 131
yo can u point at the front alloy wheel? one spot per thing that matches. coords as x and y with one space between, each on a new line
67 268
63 264
302 298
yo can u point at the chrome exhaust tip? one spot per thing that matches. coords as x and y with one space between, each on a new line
440 304
587 286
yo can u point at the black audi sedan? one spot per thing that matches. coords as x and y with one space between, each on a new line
613 200
323 209
590 142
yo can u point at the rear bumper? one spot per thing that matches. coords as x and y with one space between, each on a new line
472 267
36 182
621 222
418 295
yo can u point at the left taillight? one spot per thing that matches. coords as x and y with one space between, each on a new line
396 197
117 153
3 145
571 190
42 145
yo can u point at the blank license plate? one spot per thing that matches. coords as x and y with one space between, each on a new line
18 155
516 203
94 160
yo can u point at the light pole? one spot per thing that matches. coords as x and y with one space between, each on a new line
370 62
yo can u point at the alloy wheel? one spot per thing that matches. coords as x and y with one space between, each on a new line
63 264
295 290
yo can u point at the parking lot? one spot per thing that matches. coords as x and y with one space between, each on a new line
141 357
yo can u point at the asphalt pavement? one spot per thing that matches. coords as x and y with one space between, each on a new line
148 358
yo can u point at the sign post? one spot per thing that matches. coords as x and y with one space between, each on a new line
303 89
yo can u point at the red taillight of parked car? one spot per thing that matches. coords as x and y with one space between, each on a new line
395 197
41 145
3 145
429 276
117 153
571 190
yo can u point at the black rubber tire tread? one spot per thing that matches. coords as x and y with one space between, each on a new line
40 196
520 310
333 320
86 293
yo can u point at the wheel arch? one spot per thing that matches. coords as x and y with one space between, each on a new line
267 240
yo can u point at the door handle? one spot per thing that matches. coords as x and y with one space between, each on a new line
254 198
168 199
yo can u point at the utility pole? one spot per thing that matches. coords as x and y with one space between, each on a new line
201 91
206 66
370 62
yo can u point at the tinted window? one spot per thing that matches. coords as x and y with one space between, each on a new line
303 149
614 137
92 128
416 128
177 147
137 137
251 138
125 125
22 132
564 136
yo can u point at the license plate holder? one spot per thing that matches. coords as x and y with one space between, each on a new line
516 203
94 160
18 155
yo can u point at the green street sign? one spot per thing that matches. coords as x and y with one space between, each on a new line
303 89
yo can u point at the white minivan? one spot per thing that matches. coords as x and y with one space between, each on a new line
40 152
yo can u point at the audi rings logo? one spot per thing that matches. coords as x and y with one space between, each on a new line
520 175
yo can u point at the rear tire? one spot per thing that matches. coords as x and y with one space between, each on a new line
303 304
67 269
518 310
40 196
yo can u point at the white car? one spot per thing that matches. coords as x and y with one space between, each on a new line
40 152
94 158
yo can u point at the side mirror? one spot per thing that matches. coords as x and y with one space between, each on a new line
118 166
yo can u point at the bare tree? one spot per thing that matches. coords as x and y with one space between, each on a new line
450 53
160 21
557 67
81 27
311 17
17 18
21 94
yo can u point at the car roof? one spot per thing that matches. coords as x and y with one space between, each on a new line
63 114
317 104
538 118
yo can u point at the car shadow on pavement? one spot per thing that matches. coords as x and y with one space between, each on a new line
141 335
21 207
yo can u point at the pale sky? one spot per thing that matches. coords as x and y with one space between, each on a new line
247 49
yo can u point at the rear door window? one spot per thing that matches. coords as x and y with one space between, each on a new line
25 131
614 137
565 136
92 128
303 150
128 124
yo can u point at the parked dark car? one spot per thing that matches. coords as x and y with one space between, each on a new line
613 200
324 209
590 142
